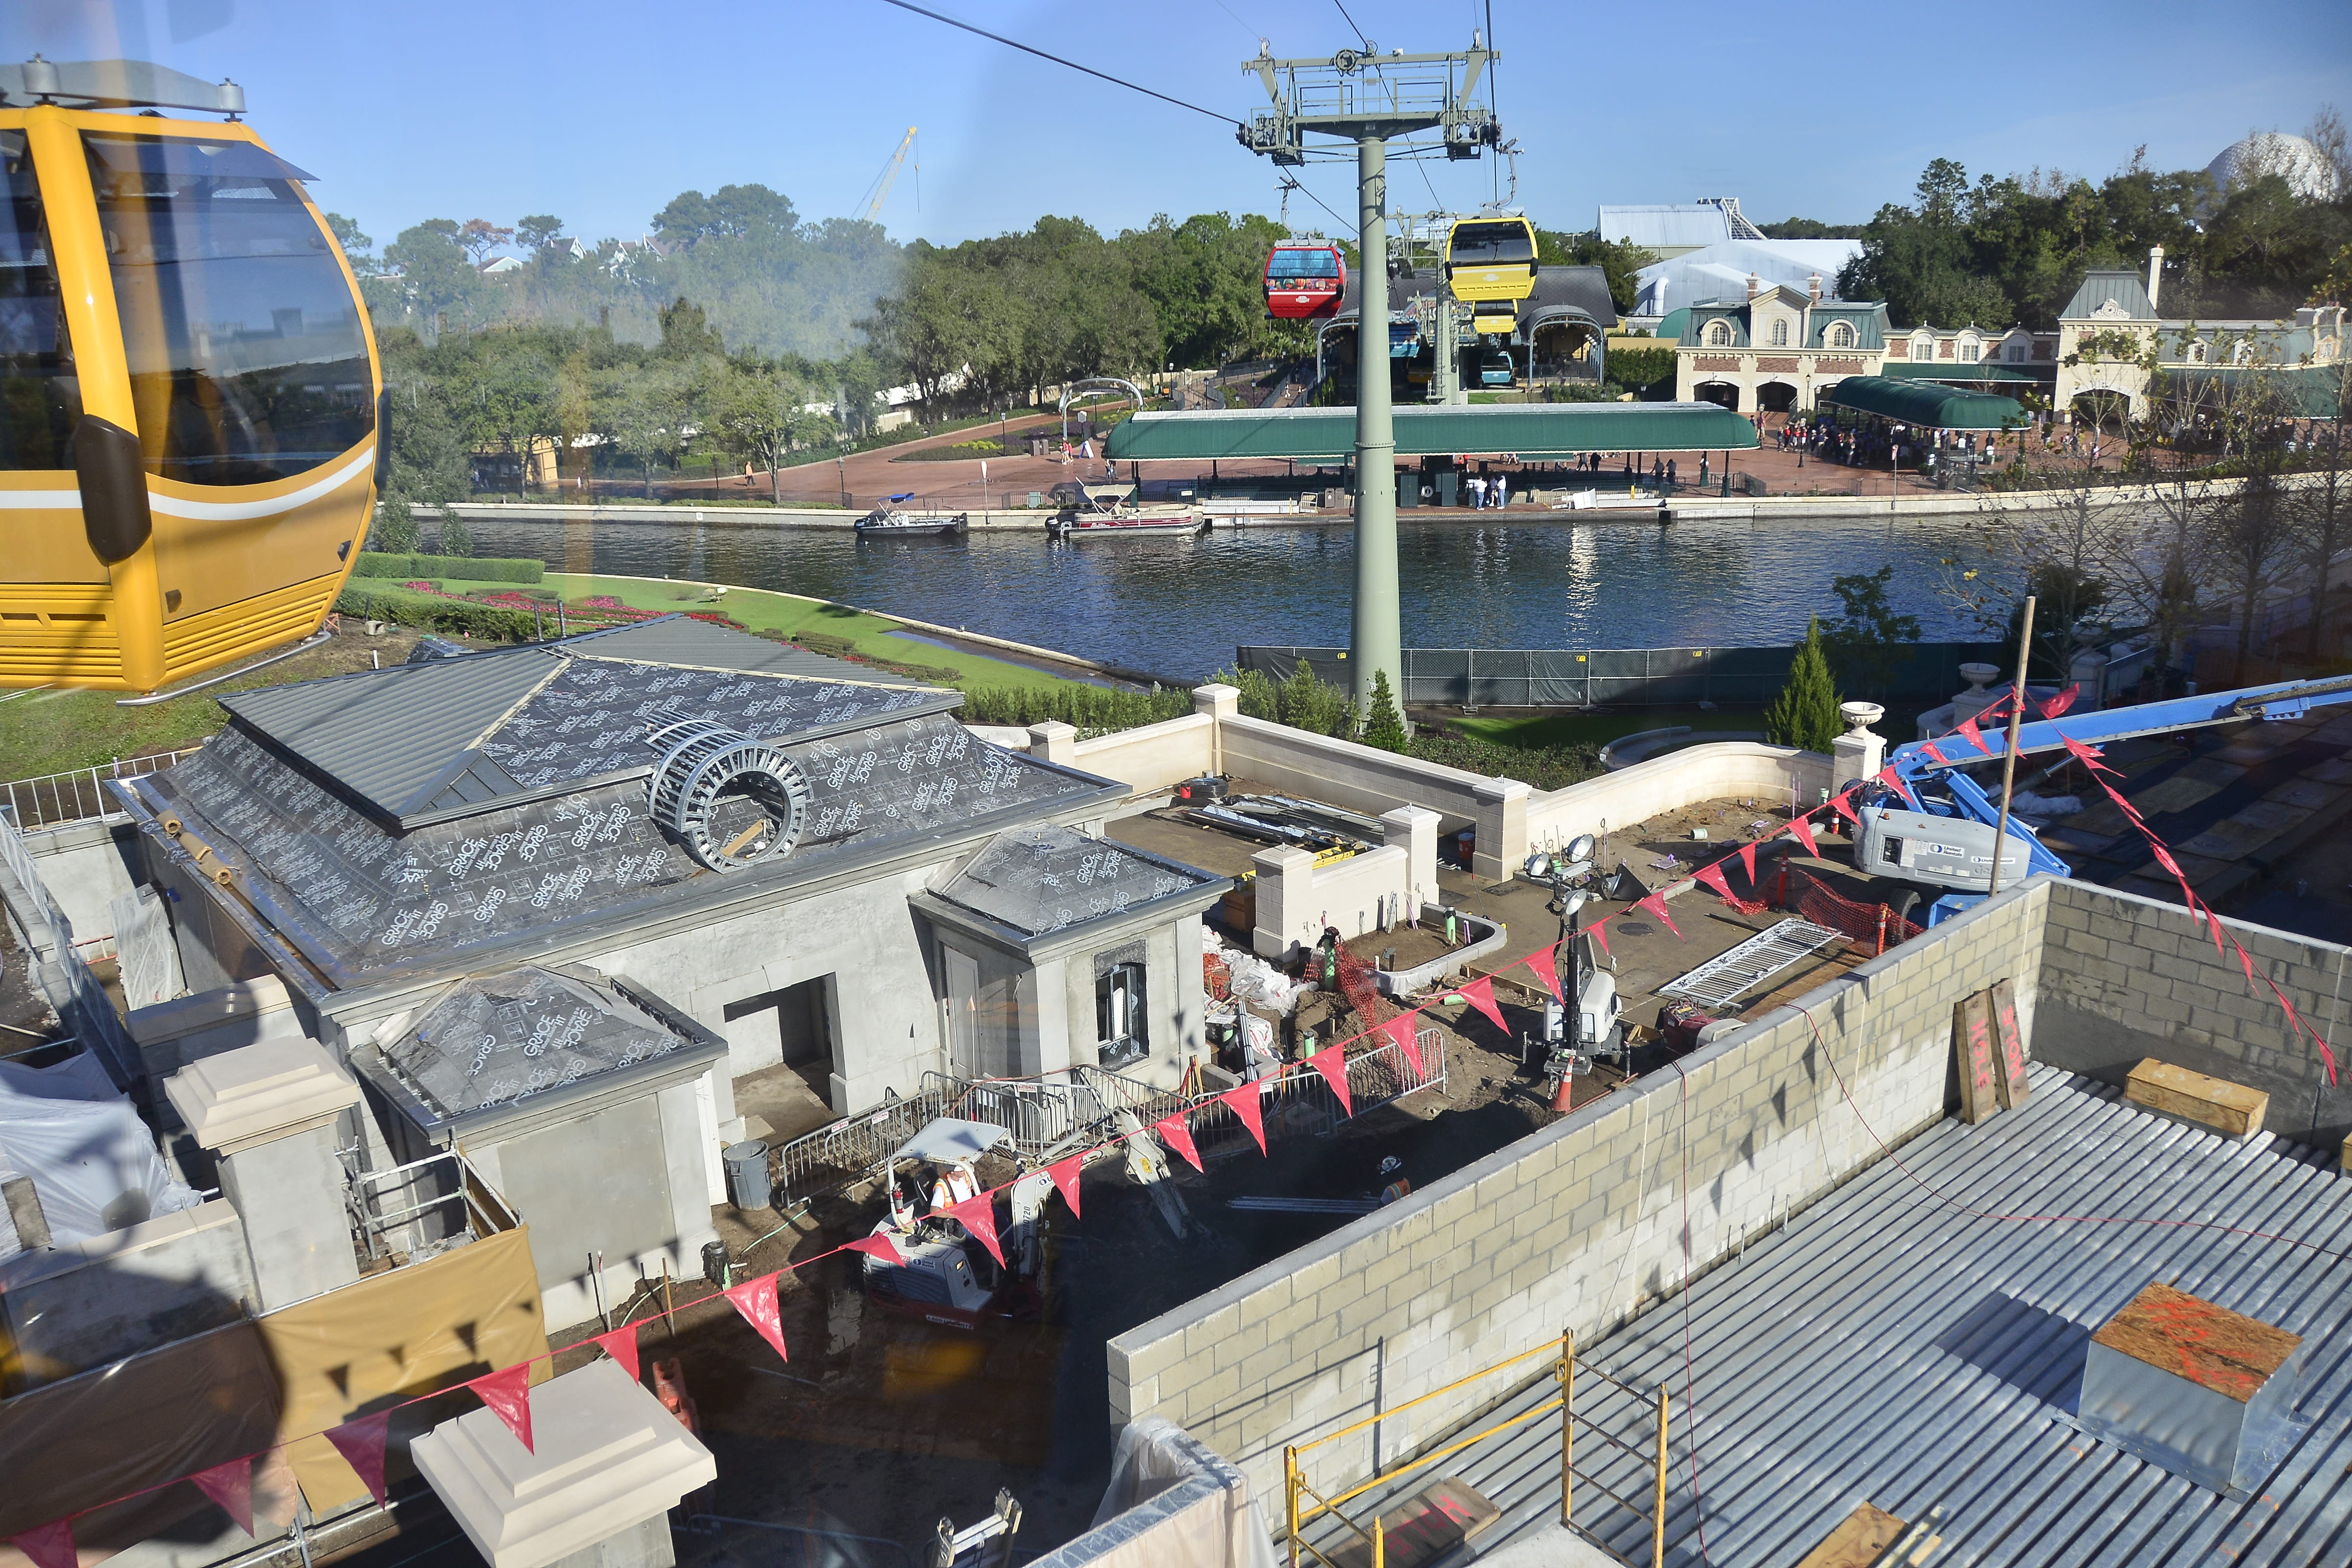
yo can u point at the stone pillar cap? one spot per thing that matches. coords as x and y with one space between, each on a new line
606 1457
258 1093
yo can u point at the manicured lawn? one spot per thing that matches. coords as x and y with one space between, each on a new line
1597 729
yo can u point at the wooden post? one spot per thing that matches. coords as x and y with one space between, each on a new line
2009 755
1566 1422
1290 1500
667 1317
1658 1506
2015 1089
1972 1049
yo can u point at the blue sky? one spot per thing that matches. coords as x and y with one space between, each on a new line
600 112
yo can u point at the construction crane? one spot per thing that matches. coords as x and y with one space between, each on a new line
873 213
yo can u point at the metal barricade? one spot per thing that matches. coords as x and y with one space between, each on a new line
842 1152
54 800
424 1208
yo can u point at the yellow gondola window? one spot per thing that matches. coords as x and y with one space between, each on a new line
39 398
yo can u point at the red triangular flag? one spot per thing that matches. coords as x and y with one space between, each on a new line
360 1443
1540 960
756 1300
52 1545
2083 754
2063 700
977 1215
1480 994
231 1486
1401 1030
1244 1100
2212 920
620 1345
1331 1061
878 1245
1065 1177
1802 827
1598 934
1894 780
1929 747
1967 727
1177 1135
1713 877
1842 805
2164 858
507 1394
1748 862
1655 905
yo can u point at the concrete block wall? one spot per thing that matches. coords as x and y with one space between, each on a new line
2125 978
1574 1226
87 865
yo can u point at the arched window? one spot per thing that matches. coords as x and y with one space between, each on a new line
1718 335
1968 349
1923 347
1780 333
1841 336
2016 354
2196 353
2243 354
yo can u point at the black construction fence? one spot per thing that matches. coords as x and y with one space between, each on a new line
1629 677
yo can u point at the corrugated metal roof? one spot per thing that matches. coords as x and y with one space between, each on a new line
1530 430
2127 289
1884 1345
1927 402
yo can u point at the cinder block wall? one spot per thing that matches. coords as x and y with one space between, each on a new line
1575 1226
2125 977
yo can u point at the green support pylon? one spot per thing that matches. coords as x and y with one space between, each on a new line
1376 641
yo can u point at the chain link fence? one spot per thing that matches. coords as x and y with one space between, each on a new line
1633 677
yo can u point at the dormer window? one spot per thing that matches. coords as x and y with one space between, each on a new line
2017 353
1841 336
1780 333
1969 351
2196 353
1923 347
1718 334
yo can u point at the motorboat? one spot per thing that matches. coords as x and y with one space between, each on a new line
1113 512
892 520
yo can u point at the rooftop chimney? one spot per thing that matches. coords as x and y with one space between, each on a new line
1754 285
1813 287
2155 273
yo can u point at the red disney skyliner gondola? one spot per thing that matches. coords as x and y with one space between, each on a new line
1304 279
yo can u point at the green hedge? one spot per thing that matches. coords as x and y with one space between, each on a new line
468 568
1093 709
428 612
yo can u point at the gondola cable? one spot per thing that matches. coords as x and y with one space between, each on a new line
1028 49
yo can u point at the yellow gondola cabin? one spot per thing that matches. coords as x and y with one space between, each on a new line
189 392
1491 259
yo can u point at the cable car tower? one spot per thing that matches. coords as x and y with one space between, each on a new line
1370 100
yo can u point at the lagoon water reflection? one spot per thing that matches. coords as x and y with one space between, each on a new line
1177 606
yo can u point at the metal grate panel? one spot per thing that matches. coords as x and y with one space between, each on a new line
1727 976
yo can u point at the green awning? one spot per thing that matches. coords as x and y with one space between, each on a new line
2304 392
1925 403
1530 430
1969 374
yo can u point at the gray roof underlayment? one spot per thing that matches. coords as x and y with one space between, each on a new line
1043 879
1885 1346
419 743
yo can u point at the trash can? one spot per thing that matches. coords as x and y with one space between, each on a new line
747 1173
1448 492
1409 488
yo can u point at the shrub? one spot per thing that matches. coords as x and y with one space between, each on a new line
1306 701
435 611
1384 728
1805 714
1542 767
1091 710
472 568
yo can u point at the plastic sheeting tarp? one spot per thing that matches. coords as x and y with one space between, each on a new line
92 1161
385 1339
144 1421
1173 1503
947 1139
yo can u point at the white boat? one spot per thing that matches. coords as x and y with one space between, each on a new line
1111 512
892 520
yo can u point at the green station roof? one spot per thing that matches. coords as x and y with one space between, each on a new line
1925 403
1973 375
1532 430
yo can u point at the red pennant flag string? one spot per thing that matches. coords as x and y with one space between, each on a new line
1929 747
1968 728
2061 702
360 1443
1480 994
1546 969
1713 877
1065 1177
620 1345
52 1545
1599 931
1402 1030
230 1485
878 1246
756 1298
1894 780
2083 754
1841 803
1331 1061
1655 905
506 1392
1244 1100
1802 827
1178 1136
1748 862
978 1214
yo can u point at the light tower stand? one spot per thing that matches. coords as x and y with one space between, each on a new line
1369 99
